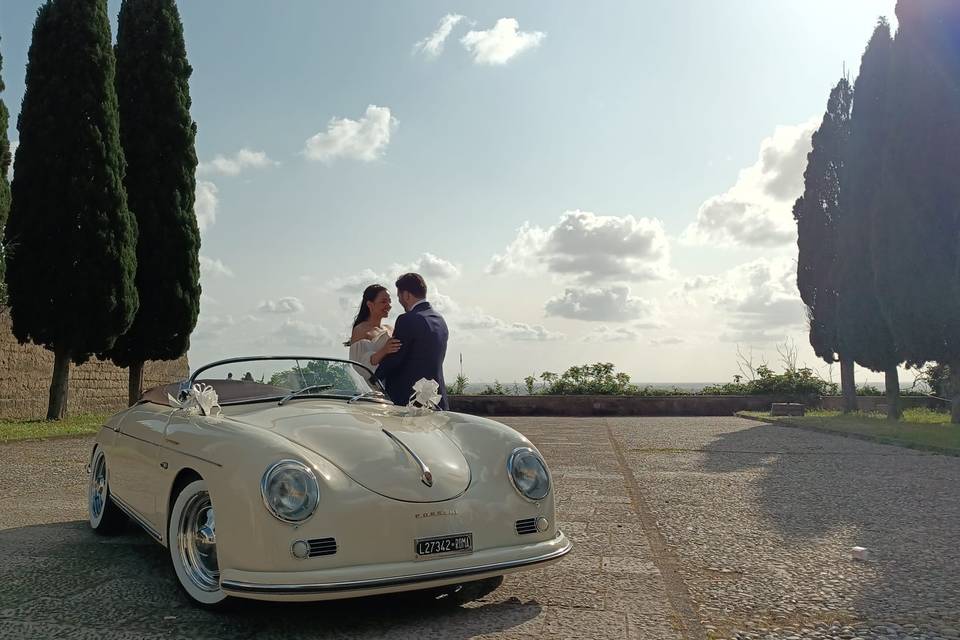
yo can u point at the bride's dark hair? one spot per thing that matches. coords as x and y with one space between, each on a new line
369 295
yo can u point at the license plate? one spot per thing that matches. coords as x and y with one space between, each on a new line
444 545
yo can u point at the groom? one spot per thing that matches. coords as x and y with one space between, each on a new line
422 333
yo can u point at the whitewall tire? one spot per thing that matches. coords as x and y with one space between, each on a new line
105 516
191 538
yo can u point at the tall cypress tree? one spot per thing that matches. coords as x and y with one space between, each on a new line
71 242
818 212
863 330
916 235
4 183
158 136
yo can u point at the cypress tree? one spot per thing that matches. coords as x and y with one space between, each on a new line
863 331
158 135
818 213
4 182
71 252
916 235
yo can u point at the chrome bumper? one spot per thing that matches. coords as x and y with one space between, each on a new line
399 583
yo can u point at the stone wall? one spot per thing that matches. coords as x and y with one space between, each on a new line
95 387
537 405
879 403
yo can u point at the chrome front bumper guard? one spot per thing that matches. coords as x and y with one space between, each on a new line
396 581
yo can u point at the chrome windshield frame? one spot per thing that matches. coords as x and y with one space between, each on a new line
187 384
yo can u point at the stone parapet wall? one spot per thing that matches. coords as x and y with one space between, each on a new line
538 405
96 386
879 403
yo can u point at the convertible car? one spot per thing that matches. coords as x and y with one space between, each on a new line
294 478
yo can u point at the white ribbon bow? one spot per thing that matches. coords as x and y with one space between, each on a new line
425 394
200 400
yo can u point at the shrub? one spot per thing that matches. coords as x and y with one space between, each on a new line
793 381
458 387
496 390
590 379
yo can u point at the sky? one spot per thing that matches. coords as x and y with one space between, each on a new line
577 182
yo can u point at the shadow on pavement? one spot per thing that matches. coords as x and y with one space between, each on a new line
809 498
50 574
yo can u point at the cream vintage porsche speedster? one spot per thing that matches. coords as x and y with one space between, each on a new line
293 478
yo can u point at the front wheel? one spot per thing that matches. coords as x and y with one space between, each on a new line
105 516
192 541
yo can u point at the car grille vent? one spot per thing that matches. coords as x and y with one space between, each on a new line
322 547
527 525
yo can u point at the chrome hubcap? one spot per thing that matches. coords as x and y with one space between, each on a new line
197 542
98 487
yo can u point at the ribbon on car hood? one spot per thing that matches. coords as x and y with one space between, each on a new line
425 394
201 399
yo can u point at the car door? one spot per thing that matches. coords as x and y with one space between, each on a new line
136 475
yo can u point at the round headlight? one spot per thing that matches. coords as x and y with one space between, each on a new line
290 491
528 473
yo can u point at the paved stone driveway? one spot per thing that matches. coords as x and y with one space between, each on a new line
685 528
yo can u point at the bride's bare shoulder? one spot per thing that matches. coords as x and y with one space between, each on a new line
359 333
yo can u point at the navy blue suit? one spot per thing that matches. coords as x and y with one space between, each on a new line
423 336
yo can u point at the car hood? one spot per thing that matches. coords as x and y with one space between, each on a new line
378 446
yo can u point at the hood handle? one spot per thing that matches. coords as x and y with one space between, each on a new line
425 476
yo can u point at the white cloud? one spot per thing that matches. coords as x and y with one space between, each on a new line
289 304
298 333
757 210
432 45
364 139
214 267
759 300
434 269
610 304
666 340
354 284
699 283
589 248
212 326
613 334
430 267
475 323
205 205
231 166
500 44
522 332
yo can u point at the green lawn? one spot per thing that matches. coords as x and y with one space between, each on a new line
919 428
70 426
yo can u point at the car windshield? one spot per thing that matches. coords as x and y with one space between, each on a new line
253 379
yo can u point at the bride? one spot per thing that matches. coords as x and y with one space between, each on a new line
372 341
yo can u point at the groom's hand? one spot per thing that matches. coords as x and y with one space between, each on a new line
393 345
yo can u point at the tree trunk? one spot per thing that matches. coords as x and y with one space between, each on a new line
848 385
892 382
954 392
135 384
57 403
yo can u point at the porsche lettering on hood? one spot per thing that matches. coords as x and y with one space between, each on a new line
409 458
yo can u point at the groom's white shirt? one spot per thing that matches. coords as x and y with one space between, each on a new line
414 305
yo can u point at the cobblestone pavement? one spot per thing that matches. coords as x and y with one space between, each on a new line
684 528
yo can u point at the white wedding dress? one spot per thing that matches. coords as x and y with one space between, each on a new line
362 350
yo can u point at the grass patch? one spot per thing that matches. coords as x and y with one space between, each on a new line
919 428
39 429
